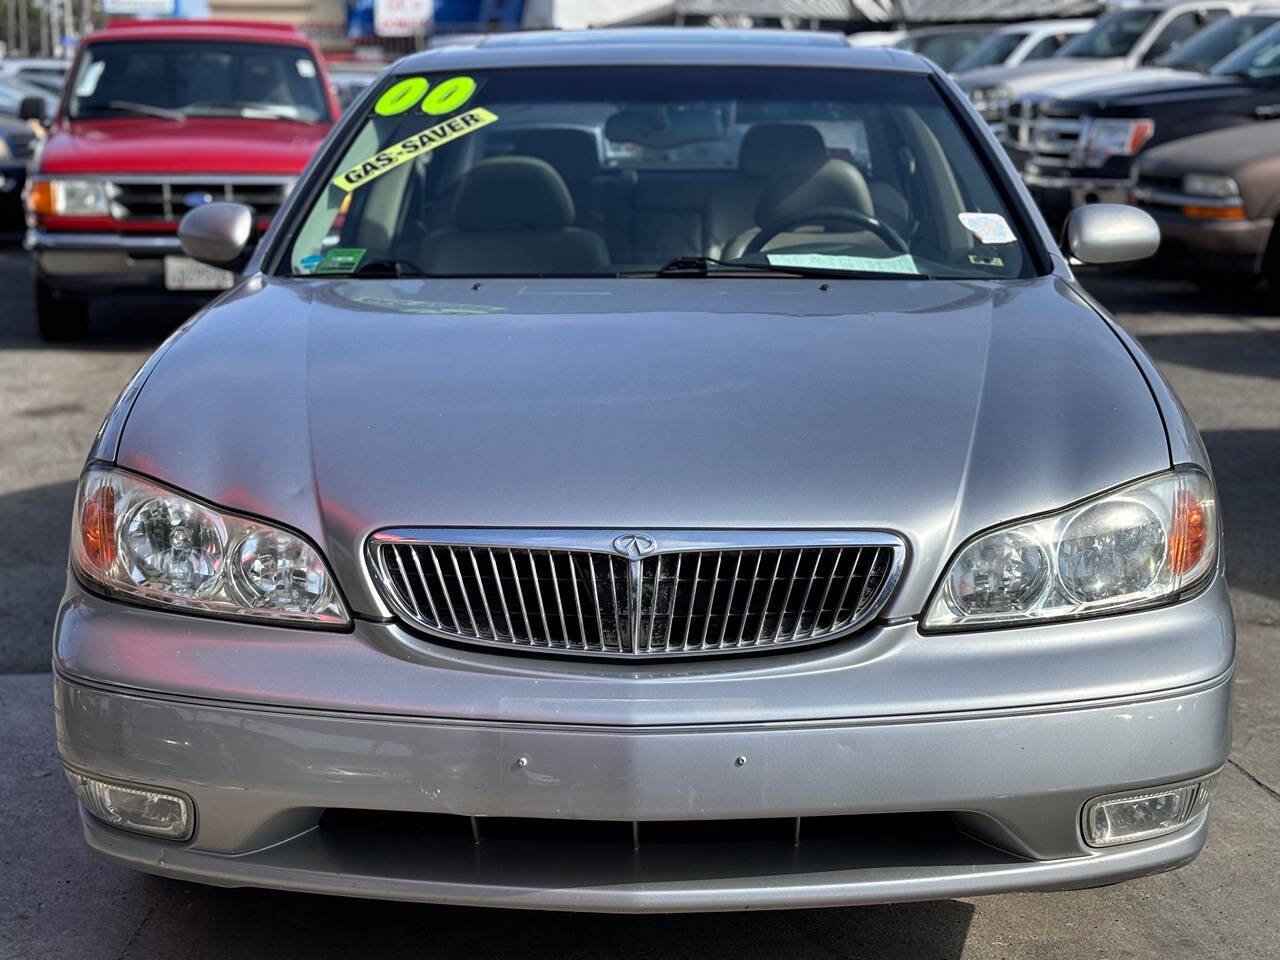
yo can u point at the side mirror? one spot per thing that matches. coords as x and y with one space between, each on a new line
33 108
1111 233
218 234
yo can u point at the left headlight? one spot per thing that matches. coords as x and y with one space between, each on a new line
1129 548
68 197
991 102
140 539
1103 139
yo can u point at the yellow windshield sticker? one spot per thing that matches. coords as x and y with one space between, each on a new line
405 150
401 97
445 97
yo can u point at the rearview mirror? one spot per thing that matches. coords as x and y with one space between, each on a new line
1111 233
218 234
34 108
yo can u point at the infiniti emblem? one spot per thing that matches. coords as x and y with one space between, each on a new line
634 545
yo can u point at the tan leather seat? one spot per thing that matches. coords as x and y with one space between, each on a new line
513 215
803 188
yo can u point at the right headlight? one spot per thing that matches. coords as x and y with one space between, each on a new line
991 102
140 540
1129 548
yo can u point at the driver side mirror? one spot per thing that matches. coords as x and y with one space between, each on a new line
34 108
218 234
1111 233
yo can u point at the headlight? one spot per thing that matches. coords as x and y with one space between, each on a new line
1129 548
991 102
1103 139
139 539
1209 185
60 197
6 151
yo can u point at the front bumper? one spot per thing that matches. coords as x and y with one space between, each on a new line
1209 245
273 736
101 262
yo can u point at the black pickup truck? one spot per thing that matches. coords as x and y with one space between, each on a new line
1083 146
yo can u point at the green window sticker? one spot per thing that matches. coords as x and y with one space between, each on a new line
445 97
401 96
405 150
341 260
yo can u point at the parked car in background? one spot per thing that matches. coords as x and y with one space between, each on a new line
161 116
17 145
875 38
1216 197
48 73
13 92
811 539
1119 41
1020 43
348 80
945 46
1081 148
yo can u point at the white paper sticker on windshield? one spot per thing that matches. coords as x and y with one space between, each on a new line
306 68
988 227
821 261
89 79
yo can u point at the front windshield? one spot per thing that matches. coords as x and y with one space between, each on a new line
179 79
601 171
946 49
1259 59
1213 43
1112 36
991 52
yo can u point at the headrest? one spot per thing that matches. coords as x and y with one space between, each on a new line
573 153
799 188
768 147
512 193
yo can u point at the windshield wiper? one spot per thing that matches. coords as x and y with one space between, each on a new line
246 110
706 266
146 110
388 268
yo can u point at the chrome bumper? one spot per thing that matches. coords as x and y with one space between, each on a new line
92 262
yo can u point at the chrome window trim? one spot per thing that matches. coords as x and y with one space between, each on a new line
669 542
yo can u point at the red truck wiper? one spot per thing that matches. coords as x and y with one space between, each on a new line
146 110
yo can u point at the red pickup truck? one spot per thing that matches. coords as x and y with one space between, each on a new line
159 117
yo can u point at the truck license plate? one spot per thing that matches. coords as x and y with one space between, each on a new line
183 273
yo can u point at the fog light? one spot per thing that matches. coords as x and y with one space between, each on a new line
1143 814
138 809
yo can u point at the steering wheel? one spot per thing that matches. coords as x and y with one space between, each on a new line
825 216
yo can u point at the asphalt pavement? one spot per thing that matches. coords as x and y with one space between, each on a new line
56 900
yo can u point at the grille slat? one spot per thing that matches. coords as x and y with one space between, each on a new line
162 199
592 601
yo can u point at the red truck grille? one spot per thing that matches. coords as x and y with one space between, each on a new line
167 199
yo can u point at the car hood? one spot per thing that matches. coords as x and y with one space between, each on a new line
1113 84
1025 77
1181 88
199 145
931 408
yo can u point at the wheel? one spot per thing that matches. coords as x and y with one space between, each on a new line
59 319
1271 269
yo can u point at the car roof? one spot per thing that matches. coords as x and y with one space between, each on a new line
1031 26
663 45
245 31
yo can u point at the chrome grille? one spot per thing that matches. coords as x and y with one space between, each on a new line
165 199
572 593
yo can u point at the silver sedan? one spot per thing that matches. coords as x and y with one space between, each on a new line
649 471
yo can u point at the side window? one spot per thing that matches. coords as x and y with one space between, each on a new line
1047 47
1176 32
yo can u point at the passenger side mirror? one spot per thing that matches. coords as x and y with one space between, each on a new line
1111 233
34 108
218 234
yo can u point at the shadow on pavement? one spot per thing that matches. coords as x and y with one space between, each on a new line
234 924
1250 353
36 525
1245 465
1126 291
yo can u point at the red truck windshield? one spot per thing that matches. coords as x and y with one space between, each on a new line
180 79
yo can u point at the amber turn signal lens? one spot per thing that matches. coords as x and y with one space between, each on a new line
98 527
1190 532
1214 213
40 198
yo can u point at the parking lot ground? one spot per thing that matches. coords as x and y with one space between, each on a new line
56 900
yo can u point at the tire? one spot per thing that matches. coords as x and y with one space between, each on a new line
59 319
